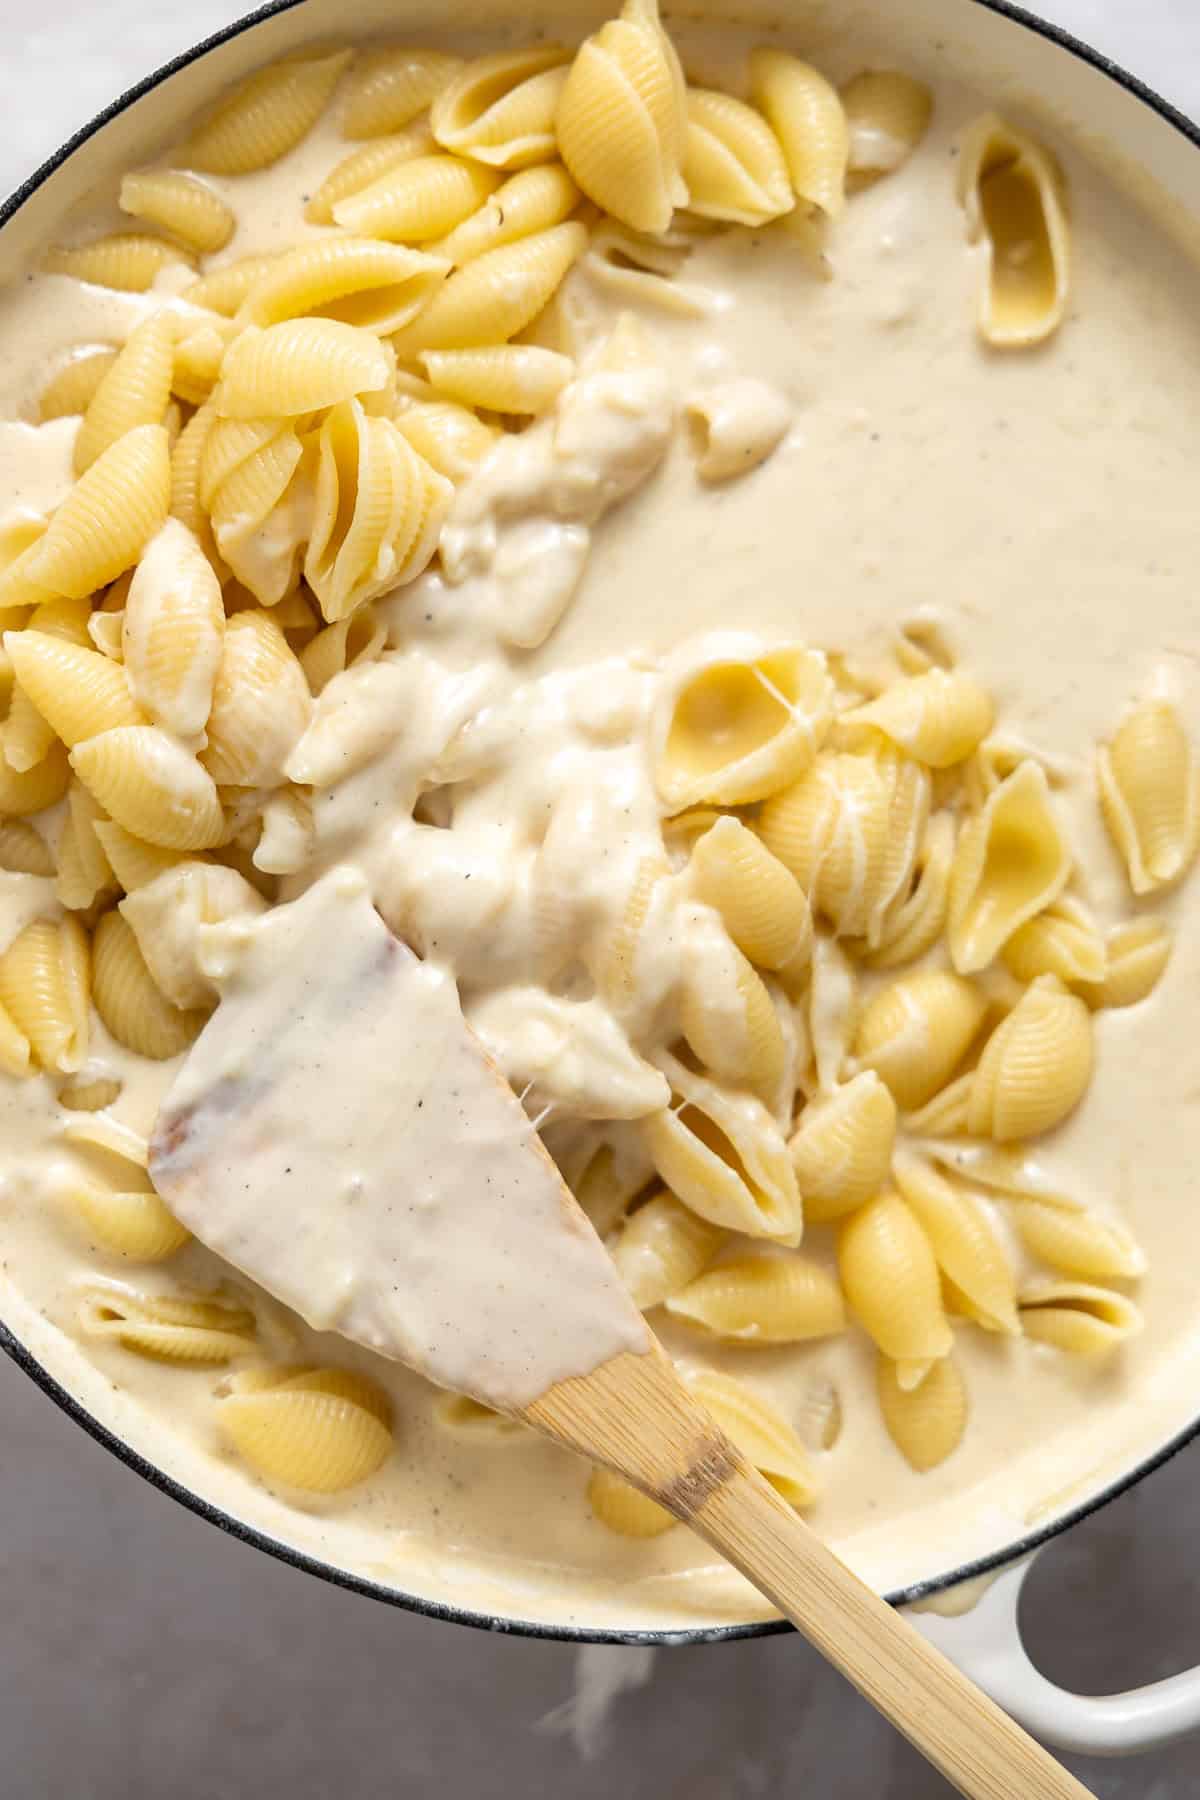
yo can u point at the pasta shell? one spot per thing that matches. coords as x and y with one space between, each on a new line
357 281
129 1001
728 1018
832 1009
127 261
507 378
723 1155
188 209
842 1150
623 1509
185 503
132 861
496 295
377 514
661 1248
890 1279
938 717
500 109
926 1423
916 1031
23 792
806 114
43 992
323 1430
622 120
762 905
299 366
604 1188
199 352
762 1434
1035 1067
1150 795
532 201
964 1241
146 782
733 168
1012 191
137 1226
265 116
1076 1317
14 1047
83 867
1078 1243
450 438
1012 861
288 833
261 704
914 919
734 426
224 290
888 114
27 733
24 851
167 916
388 88
740 726
833 830
78 691
361 168
109 516
71 390
1064 941
166 1327
420 199
172 632
358 638
1135 956
761 1301
83 1093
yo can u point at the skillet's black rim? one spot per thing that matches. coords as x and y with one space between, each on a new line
434 1609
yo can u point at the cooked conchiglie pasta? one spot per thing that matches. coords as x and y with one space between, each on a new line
834 830
418 200
530 201
622 119
261 517
496 295
915 1031
760 1301
890 1278
1064 941
135 1224
185 503
356 639
386 89
1078 1243
470 1419
24 792
1077 1317
734 426
500 109
70 391
1035 1067
914 919
926 1423
604 1187
364 166
1012 861
133 861
806 114
129 1001
623 1509
323 1430
15 1057
723 1155
357 281
189 209
23 850
733 167
228 445
729 1020
299 366
166 916
223 290
506 378
44 976
200 345
1150 795
662 1247
762 905
842 1147
938 717
84 871
148 783
168 1327
888 114
377 512
963 1238
451 438
1012 192
261 704
171 634
127 261
1136 954
88 1093
760 1432
265 116
108 517
738 723
78 691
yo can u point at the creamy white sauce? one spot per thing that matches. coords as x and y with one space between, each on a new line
1038 507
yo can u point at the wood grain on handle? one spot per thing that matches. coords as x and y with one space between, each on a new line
635 1415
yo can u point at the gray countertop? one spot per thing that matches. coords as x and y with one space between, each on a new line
144 1654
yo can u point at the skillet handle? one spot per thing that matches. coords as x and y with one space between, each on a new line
986 1644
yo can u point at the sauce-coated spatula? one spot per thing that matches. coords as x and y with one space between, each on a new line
340 1136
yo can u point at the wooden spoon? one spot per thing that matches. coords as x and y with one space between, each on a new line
339 1134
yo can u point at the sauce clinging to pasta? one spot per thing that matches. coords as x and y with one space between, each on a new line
741 482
